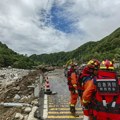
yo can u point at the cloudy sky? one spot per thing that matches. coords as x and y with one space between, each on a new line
47 26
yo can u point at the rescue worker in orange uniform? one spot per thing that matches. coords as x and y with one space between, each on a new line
86 80
105 104
72 84
107 98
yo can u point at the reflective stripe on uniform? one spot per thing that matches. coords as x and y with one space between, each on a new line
85 101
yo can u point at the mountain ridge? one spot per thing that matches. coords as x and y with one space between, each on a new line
106 48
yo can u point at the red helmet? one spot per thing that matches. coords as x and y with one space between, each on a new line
93 64
106 64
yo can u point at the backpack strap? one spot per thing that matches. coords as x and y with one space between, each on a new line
104 101
86 78
113 104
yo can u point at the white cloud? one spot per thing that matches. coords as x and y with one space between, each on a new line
22 28
98 18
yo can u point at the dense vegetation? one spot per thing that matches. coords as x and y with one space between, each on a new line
13 59
107 48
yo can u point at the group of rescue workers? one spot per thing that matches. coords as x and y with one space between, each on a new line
97 86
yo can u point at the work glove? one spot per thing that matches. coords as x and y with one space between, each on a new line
75 91
75 88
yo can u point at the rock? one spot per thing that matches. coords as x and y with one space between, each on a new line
18 88
17 97
27 110
25 117
37 114
35 102
19 116
29 96
24 98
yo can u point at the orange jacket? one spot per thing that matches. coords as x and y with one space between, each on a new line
74 80
88 89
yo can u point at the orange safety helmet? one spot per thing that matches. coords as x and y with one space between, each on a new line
94 64
107 65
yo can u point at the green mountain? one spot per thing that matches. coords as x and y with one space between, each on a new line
10 58
107 48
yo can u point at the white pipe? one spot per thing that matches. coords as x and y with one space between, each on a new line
14 104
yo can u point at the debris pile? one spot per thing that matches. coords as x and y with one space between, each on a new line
17 101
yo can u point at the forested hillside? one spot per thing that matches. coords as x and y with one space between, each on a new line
10 58
107 48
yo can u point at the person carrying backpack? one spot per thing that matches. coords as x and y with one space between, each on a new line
104 94
106 102
87 87
72 85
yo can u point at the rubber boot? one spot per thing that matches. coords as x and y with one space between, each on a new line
73 111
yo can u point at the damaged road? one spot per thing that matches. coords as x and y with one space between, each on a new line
57 106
